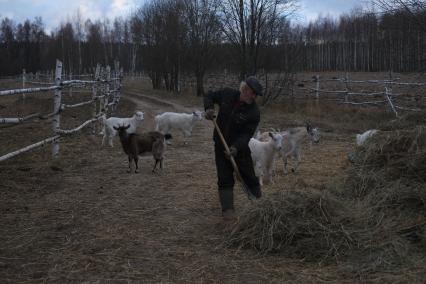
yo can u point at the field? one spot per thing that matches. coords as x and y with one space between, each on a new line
82 218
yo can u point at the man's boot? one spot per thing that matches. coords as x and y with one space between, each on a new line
226 197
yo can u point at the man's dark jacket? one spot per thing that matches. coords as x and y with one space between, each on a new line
237 120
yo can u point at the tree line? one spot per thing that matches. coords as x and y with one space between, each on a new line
168 39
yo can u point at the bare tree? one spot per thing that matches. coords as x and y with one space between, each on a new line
408 13
94 43
79 35
163 39
250 23
285 59
136 35
203 32
416 8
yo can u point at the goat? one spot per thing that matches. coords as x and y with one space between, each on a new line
184 122
137 144
292 140
263 154
361 138
109 129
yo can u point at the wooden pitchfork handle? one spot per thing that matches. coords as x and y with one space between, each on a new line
234 164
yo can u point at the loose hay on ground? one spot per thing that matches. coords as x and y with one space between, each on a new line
304 223
371 222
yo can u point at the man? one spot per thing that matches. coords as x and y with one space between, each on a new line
237 119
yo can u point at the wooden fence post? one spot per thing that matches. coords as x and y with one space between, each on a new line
388 93
107 87
347 87
117 84
70 88
56 108
317 78
24 79
94 98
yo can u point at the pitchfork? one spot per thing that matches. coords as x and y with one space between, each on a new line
234 164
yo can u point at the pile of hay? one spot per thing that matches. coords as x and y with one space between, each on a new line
304 223
400 154
390 170
388 185
375 218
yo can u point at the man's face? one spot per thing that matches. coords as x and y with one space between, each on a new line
247 95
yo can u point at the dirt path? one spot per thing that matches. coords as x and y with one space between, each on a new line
90 221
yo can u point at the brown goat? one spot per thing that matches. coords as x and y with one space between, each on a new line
136 144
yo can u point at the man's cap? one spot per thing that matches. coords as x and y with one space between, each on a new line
254 84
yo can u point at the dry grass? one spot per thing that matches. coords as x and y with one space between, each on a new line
304 224
371 221
83 219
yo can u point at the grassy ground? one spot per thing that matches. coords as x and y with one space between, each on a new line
82 218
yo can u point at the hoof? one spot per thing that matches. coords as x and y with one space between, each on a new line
136 171
292 170
128 171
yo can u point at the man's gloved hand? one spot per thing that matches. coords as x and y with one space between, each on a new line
233 152
209 114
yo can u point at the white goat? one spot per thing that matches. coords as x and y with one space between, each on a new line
108 125
263 154
360 138
291 142
184 122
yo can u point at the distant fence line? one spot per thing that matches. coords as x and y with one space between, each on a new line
105 95
386 93
291 87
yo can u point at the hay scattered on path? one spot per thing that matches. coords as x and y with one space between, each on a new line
302 223
372 221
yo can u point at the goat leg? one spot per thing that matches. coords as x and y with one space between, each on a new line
155 166
136 163
130 164
285 164
298 159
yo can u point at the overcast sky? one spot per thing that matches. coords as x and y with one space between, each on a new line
53 12
311 9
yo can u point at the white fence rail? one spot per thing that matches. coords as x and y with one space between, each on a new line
389 97
102 99
348 91
383 94
30 147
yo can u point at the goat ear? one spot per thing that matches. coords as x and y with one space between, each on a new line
270 135
127 127
116 128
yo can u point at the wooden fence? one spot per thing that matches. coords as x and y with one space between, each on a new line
105 96
348 91
383 96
